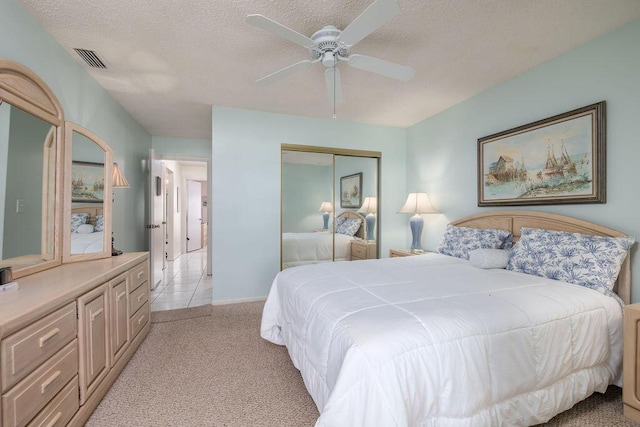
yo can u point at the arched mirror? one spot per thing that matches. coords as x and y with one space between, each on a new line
88 197
329 196
31 146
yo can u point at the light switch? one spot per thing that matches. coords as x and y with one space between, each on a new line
19 205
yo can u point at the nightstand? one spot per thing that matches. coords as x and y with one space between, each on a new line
395 253
363 249
631 363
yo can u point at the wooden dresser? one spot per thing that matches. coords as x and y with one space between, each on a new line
66 335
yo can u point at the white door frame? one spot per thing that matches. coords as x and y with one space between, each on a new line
206 160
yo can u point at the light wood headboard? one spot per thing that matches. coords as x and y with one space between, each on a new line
92 210
362 231
515 220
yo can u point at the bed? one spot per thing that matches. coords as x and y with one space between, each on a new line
87 235
312 248
433 340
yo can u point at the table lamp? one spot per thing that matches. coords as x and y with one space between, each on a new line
118 181
417 204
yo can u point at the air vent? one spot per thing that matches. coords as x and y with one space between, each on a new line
90 58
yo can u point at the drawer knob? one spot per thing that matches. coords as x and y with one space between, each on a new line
140 319
46 337
48 382
120 295
140 297
140 274
54 420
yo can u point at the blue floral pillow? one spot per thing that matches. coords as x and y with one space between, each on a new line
339 221
349 227
77 219
458 241
590 261
99 223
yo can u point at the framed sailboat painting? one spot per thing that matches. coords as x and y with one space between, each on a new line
558 160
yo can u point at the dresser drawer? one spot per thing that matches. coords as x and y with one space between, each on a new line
138 297
25 350
139 275
61 409
28 397
139 319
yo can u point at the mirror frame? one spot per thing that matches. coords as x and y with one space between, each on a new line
67 256
346 152
23 89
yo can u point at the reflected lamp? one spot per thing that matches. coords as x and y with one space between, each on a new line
326 207
417 204
370 207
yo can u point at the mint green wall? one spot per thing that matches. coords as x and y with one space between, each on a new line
304 188
86 103
246 175
182 147
441 151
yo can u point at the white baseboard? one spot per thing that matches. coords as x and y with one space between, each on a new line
238 301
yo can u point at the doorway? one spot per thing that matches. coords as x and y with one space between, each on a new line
177 172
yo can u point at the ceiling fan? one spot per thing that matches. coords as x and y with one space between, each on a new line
331 46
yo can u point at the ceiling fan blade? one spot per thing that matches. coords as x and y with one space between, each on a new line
382 67
374 17
334 85
279 30
284 72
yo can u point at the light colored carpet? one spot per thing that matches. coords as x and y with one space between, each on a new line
215 370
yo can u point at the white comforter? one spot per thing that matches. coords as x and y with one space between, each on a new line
430 340
312 248
87 243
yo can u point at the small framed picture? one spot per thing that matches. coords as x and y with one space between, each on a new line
351 191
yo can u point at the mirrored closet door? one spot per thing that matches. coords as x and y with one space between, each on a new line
329 197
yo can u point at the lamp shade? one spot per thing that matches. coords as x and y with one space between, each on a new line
370 205
418 203
326 207
119 180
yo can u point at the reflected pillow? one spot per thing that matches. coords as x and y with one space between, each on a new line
339 221
77 219
85 229
590 261
99 223
489 258
349 227
458 241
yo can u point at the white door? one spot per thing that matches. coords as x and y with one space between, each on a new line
156 214
194 215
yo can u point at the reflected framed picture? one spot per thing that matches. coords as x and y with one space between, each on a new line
558 160
87 182
351 191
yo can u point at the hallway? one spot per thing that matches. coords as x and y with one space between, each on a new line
185 283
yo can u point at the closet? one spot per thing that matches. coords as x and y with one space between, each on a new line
320 185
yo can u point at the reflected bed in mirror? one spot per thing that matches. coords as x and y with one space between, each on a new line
313 248
87 229
88 202
30 151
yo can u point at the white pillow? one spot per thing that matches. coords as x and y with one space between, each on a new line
85 229
489 258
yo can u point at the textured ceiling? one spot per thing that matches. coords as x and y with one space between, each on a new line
170 61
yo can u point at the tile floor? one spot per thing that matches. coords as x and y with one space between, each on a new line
185 283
